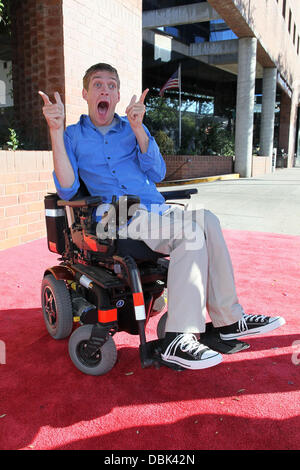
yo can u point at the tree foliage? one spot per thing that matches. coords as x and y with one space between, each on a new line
200 134
5 14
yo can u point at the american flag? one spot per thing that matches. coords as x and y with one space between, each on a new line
173 82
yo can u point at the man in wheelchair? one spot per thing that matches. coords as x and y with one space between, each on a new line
116 156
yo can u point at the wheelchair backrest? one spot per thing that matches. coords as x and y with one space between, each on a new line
55 224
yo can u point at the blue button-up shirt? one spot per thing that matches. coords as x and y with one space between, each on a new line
113 164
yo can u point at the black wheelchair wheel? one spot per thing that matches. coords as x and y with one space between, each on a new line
98 363
161 326
57 307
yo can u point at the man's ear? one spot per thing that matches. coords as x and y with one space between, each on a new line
84 94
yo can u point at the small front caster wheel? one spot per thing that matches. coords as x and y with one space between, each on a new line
97 363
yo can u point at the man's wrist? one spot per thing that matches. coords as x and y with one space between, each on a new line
56 132
142 138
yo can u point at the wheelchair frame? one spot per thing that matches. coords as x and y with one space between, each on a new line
99 285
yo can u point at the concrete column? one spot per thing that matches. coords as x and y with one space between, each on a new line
245 105
268 111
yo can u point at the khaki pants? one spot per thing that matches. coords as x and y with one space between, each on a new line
200 276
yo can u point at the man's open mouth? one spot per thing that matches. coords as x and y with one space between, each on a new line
103 107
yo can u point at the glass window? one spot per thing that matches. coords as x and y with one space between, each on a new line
219 31
205 100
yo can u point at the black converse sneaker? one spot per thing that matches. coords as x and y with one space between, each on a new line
186 351
250 325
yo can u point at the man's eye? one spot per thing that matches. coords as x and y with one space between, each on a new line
112 86
98 85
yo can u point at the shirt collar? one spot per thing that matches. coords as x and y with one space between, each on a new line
85 120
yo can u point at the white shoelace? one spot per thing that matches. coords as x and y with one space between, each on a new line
187 343
249 318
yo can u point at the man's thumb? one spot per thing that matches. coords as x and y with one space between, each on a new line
45 98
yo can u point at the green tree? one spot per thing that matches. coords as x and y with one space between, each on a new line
165 143
213 139
5 17
162 114
202 135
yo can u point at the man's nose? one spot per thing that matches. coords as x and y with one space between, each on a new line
104 89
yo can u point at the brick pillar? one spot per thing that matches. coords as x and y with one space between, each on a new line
38 64
55 41
101 31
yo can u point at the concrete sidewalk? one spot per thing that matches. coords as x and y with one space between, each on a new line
267 204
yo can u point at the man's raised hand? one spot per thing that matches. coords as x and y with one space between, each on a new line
54 112
136 109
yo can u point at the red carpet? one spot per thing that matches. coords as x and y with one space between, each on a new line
250 401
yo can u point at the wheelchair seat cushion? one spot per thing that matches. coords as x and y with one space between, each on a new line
137 249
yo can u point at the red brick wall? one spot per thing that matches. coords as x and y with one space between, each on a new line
55 41
196 166
25 178
38 63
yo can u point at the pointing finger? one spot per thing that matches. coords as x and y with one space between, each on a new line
132 101
143 95
45 97
57 98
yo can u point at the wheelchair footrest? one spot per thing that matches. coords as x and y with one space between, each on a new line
153 356
211 338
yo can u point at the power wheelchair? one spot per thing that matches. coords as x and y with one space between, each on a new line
102 286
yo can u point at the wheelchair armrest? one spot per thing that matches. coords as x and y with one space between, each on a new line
86 201
179 194
119 210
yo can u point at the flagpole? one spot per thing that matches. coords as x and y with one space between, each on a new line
179 79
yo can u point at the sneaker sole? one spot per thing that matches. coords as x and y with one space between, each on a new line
194 365
255 331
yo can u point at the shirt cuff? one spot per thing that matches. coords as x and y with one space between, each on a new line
152 157
65 193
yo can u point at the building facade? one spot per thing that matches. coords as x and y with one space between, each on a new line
241 55
244 55
239 64
273 29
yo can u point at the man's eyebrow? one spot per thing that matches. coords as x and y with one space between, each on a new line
96 77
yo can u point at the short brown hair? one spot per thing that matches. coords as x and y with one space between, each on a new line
99 67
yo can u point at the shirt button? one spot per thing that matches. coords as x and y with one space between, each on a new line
108 158
113 171
123 187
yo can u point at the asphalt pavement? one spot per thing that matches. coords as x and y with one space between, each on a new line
270 203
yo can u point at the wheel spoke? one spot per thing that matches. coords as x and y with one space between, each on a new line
49 304
86 356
